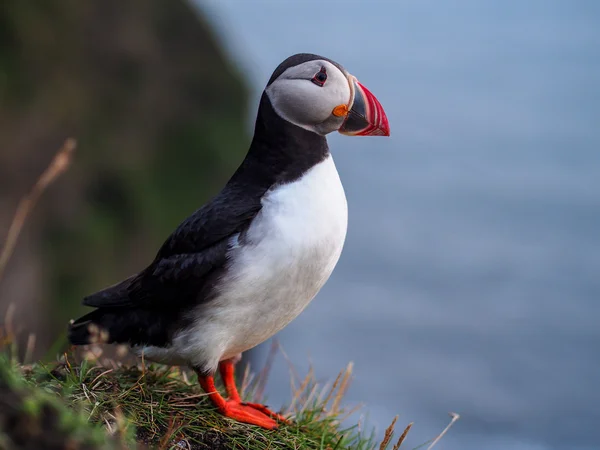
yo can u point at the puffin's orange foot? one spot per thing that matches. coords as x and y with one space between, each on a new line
245 413
263 409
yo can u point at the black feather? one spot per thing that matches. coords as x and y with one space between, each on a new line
134 326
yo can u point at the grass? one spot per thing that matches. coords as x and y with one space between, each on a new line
93 406
35 417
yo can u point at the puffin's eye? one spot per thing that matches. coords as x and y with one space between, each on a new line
320 77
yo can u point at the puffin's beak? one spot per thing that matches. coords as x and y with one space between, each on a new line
366 116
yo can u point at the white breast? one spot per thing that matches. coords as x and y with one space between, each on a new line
285 258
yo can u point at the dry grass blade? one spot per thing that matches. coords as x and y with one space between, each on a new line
403 436
351 412
388 434
293 372
9 332
29 348
247 378
333 388
59 164
345 383
309 399
454 417
297 393
264 373
169 435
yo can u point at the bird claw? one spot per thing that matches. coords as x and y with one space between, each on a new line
248 414
263 409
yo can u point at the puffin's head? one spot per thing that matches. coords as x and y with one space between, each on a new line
319 95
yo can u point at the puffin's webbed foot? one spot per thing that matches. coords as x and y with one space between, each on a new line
263 409
227 369
233 407
248 414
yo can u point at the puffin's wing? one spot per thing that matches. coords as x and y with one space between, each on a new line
194 250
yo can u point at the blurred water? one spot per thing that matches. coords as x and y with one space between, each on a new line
469 281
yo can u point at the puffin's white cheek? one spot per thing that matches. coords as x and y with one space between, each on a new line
301 102
310 110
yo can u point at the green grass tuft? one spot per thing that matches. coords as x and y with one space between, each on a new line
92 406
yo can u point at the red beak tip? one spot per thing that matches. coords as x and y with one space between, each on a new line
385 127
379 121
368 116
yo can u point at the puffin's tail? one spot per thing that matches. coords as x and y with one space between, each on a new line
89 329
120 325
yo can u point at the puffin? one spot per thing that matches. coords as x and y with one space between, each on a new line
244 265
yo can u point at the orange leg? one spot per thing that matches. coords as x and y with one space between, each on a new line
227 369
234 409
